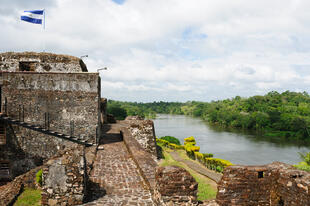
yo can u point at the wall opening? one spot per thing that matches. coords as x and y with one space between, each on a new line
5 174
260 174
27 66
281 202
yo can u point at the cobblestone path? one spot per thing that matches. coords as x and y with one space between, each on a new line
115 176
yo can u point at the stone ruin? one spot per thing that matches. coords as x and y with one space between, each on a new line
275 184
175 186
50 105
44 95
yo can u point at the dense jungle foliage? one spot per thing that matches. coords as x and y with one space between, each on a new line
275 114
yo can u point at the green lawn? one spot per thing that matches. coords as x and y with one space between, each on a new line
29 197
206 187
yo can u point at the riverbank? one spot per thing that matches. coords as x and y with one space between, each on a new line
233 145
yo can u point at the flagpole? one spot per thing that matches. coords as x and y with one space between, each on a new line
44 30
44 18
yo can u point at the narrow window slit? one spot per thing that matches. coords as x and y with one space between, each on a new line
260 174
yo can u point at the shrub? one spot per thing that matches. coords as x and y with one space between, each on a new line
175 146
165 143
214 163
219 169
190 150
199 157
39 177
171 140
195 148
189 140
207 155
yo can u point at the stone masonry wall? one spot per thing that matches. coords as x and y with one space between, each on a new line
64 179
70 100
19 160
276 184
143 132
41 62
175 186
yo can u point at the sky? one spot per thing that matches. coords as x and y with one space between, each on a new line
173 50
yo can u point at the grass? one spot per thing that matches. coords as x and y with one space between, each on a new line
303 166
29 197
206 187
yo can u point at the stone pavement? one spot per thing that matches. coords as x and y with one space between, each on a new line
115 176
197 167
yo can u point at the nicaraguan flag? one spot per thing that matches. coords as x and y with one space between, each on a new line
34 16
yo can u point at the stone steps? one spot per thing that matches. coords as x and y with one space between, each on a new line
44 131
5 174
2 135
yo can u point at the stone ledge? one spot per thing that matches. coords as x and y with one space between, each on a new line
143 159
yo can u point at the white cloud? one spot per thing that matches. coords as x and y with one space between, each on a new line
174 50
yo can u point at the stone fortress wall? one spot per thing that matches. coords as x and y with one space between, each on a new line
51 91
275 184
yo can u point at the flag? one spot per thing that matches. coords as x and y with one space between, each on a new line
34 16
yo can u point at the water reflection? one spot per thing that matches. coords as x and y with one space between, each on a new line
240 147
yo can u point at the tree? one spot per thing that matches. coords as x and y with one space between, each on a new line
118 112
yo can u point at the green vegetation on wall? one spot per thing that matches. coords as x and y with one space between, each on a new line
39 177
305 164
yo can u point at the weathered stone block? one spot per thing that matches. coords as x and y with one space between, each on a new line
170 189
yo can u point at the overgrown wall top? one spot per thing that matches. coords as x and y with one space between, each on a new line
41 62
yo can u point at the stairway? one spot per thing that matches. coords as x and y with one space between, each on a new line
2 135
5 175
45 131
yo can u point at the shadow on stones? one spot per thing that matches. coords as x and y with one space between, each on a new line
94 192
109 136
160 154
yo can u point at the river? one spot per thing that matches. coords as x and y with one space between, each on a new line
237 146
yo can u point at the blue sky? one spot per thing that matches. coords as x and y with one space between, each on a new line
173 50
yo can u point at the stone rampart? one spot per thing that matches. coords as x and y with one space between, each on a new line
143 132
40 62
144 160
276 184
